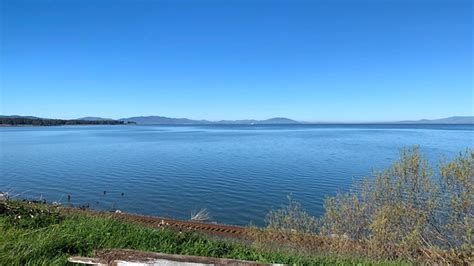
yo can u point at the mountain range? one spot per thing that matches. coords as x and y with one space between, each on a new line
449 120
161 120
94 118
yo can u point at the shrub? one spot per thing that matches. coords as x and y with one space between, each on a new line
291 219
406 211
457 190
289 229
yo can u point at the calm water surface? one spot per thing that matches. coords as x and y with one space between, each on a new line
237 172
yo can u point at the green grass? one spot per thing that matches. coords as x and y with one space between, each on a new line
30 240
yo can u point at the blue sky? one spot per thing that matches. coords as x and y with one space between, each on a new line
307 60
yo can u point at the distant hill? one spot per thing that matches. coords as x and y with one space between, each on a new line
94 118
19 116
271 121
161 120
448 120
278 120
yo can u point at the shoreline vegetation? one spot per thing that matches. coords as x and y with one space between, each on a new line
23 121
15 120
409 213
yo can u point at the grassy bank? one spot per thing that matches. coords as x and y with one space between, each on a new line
39 234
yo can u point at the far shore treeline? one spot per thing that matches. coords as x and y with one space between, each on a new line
20 121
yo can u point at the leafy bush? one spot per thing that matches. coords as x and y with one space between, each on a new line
292 219
404 212
457 190
289 229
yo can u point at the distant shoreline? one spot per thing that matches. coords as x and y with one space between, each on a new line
28 125
247 125
170 121
27 121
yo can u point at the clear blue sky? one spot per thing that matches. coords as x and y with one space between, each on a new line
308 60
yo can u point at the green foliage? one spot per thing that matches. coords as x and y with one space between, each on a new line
292 219
346 215
457 186
405 199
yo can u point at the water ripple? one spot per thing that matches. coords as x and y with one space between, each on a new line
237 173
